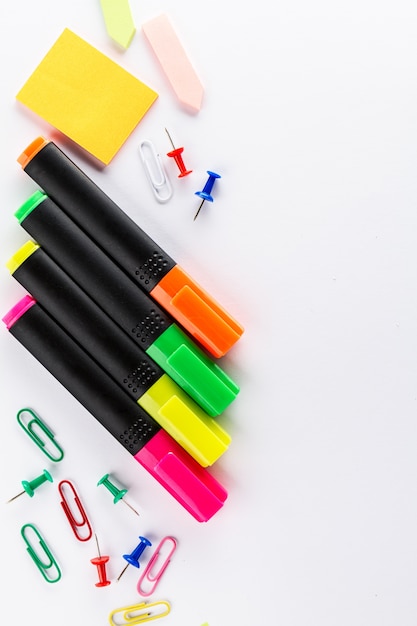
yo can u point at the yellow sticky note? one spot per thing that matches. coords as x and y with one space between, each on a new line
86 96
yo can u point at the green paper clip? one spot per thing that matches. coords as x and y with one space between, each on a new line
55 452
40 564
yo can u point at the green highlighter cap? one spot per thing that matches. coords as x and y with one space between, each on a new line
199 375
30 204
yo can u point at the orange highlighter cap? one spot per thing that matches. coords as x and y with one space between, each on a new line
197 312
32 149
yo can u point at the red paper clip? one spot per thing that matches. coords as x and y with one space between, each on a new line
148 575
74 522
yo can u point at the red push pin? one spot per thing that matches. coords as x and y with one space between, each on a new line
176 154
100 562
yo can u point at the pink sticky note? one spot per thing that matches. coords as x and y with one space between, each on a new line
174 61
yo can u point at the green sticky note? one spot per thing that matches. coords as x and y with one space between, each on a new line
119 21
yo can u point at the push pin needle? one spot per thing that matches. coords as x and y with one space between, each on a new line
199 209
122 572
169 137
130 507
14 497
98 547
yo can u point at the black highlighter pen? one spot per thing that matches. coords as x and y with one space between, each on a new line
199 434
189 483
134 251
133 310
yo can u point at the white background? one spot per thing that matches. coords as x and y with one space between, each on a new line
310 116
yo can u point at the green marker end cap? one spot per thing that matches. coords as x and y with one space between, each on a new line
30 204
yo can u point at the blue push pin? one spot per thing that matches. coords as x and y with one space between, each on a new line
206 193
30 486
133 557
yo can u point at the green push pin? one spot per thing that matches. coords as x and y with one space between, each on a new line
30 486
117 493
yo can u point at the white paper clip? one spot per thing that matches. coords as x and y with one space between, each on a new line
138 613
153 577
155 172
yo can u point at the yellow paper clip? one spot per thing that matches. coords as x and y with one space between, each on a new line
155 172
42 566
46 443
139 613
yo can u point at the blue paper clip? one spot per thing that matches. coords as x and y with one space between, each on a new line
75 523
138 613
55 452
42 566
155 172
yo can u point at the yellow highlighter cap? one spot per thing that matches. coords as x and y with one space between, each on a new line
198 433
21 255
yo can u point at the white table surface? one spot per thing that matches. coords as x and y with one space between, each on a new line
309 115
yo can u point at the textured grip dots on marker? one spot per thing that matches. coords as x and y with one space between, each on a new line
148 326
151 268
141 376
140 432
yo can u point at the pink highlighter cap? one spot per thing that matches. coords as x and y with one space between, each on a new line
187 481
18 310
